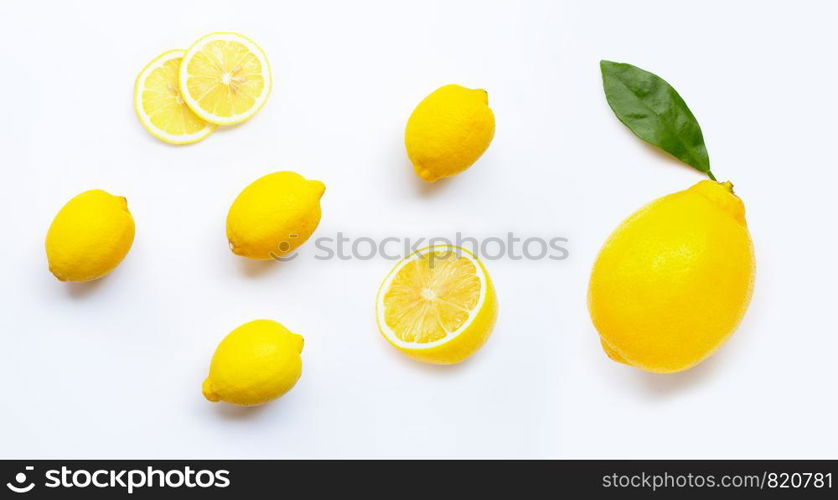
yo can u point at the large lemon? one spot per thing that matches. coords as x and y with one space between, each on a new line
257 362
448 131
274 215
437 305
673 281
89 236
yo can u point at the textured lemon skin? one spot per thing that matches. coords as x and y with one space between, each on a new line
274 215
255 363
674 280
89 236
448 131
463 345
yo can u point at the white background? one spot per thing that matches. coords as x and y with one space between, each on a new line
114 368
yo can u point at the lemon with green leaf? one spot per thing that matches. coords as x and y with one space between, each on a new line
674 280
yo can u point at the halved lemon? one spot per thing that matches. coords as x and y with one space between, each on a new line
437 305
225 78
160 106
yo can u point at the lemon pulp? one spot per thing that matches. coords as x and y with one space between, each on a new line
426 304
160 105
225 78
437 305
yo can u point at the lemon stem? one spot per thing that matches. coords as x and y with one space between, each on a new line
727 185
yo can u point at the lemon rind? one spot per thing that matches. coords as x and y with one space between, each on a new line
255 50
145 120
385 285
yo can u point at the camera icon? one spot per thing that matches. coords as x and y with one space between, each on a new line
20 479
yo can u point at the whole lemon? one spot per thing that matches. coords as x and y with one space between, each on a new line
673 281
89 236
448 131
274 215
255 363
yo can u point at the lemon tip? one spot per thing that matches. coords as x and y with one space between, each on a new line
299 342
208 392
426 175
318 187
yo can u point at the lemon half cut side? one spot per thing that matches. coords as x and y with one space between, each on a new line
159 103
225 78
437 305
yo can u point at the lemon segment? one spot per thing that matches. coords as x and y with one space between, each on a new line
160 106
225 78
437 305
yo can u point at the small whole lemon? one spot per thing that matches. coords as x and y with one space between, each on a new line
448 131
674 280
255 363
89 236
274 215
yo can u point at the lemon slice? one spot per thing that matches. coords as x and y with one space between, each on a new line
160 106
437 305
225 78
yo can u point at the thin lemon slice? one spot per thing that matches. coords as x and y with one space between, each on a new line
160 106
437 305
225 78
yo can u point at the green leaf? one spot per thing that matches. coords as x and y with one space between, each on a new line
654 111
